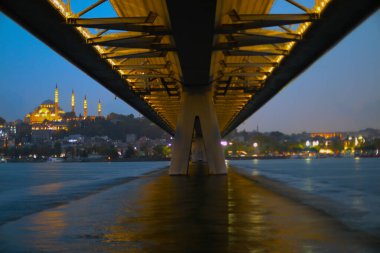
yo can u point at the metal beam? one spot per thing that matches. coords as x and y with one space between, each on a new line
300 6
253 53
245 82
157 89
138 67
123 24
245 74
237 88
153 46
250 40
123 40
166 87
193 26
126 20
127 54
289 34
263 39
89 8
248 64
306 17
145 76
227 86
265 20
144 42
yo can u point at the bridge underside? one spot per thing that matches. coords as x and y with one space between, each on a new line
196 68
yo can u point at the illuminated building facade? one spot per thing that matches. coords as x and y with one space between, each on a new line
327 135
49 116
46 111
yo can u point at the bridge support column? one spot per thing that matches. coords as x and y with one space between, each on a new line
197 113
198 152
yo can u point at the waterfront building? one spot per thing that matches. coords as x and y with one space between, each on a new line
41 136
130 138
7 133
50 126
47 111
48 116
327 135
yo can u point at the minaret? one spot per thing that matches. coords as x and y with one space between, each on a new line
56 100
72 102
85 107
99 109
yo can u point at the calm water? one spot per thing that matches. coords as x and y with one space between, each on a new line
349 189
26 188
135 207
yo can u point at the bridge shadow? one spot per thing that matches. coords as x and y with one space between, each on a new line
224 213
178 214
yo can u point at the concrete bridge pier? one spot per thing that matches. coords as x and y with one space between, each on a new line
198 152
197 119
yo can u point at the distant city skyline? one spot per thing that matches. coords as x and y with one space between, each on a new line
340 92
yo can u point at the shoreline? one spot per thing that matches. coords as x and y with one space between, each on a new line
169 159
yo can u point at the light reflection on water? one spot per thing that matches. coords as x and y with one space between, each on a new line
52 221
223 214
308 185
199 213
347 188
46 189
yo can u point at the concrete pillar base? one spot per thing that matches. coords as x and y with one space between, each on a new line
197 111
198 152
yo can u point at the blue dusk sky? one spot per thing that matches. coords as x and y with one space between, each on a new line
340 92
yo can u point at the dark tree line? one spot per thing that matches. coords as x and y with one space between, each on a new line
116 127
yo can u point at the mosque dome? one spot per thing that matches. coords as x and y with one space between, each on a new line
48 102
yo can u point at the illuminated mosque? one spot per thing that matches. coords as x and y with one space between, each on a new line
50 112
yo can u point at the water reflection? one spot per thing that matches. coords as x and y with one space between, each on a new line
308 185
357 164
42 233
221 214
199 213
49 223
180 214
357 202
46 189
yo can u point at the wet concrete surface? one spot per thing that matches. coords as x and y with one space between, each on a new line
197 213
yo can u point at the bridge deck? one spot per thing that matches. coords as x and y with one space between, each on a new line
151 50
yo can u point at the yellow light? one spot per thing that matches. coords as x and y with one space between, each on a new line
326 151
60 6
72 99
56 95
